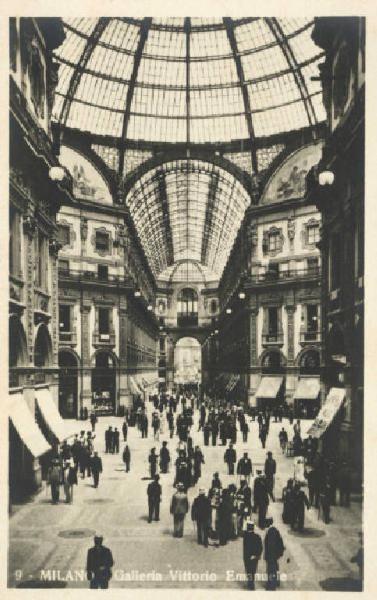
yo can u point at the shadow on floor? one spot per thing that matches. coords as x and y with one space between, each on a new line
341 584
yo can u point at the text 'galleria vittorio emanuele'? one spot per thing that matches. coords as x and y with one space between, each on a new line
186 302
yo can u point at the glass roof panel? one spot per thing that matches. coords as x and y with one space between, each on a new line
160 77
161 72
201 230
219 72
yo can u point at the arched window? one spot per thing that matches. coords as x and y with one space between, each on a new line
310 363
187 307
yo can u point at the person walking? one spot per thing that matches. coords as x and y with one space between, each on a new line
288 503
263 434
125 429
252 551
245 467
201 513
261 499
93 420
178 508
325 500
214 431
69 480
127 458
344 484
154 498
116 436
198 462
283 439
301 501
164 458
230 458
98 565
96 468
206 433
108 436
245 430
55 479
269 471
273 551
152 459
225 517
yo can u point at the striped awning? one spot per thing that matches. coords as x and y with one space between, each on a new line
61 428
308 388
329 409
269 387
24 422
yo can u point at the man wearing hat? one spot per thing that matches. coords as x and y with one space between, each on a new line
178 508
98 565
261 499
154 499
245 467
273 550
252 550
164 458
55 479
201 513
230 458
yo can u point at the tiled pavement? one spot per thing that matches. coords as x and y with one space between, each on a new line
48 544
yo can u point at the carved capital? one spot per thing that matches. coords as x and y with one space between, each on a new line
29 225
54 246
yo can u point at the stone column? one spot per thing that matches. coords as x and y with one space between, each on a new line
254 371
169 363
86 377
125 397
291 377
29 228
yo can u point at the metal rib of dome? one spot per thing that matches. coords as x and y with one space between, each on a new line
202 80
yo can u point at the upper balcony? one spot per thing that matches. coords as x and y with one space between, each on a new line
88 277
273 276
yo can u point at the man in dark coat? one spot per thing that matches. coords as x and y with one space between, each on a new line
164 458
269 471
98 565
127 458
152 459
263 435
230 458
198 462
125 430
252 551
245 430
300 502
116 440
273 550
245 467
261 499
108 439
96 467
201 513
202 418
206 433
344 484
214 432
154 498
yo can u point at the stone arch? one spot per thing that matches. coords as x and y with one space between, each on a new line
272 360
309 360
43 356
18 354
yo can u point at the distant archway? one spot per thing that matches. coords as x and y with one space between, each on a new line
188 361
309 362
104 382
272 362
68 384
17 343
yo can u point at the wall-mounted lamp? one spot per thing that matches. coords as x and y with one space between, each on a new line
326 178
149 307
56 173
228 311
242 295
216 331
137 293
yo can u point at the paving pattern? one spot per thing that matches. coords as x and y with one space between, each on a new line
49 543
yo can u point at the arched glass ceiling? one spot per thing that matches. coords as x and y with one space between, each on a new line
189 271
188 80
187 210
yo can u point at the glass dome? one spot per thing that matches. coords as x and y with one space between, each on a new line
188 79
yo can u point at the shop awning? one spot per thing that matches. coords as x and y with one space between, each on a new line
269 387
26 427
136 388
308 389
328 411
61 429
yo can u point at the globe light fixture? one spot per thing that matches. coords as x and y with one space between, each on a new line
137 293
242 295
228 311
56 173
326 178
149 307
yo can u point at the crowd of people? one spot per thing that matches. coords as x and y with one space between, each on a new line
221 513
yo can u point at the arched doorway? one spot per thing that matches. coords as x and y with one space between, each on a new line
68 380
187 308
104 383
42 347
188 363
17 349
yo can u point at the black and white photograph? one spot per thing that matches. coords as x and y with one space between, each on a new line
186 302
